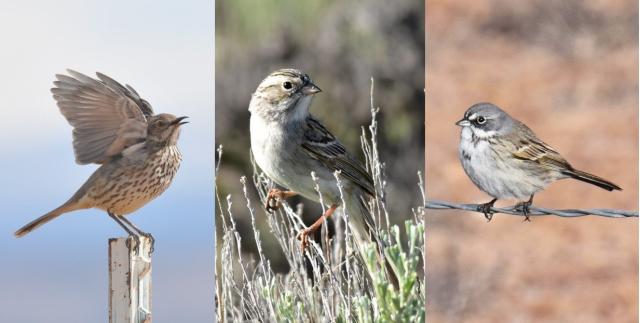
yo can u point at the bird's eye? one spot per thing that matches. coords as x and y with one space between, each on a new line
287 85
481 120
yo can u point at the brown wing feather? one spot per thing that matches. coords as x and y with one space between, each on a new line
321 145
106 117
537 151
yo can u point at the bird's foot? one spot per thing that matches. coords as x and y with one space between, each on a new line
524 206
275 197
303 236
273 200
486 209
152 240
133 242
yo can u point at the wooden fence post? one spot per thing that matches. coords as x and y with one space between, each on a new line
129 281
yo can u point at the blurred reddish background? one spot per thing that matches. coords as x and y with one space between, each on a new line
569 70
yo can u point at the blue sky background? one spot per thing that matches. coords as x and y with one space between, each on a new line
165 50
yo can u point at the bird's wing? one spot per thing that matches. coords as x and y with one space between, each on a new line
106 116
537 151
323 146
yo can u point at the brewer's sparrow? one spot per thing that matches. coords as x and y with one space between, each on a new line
288 144
506 160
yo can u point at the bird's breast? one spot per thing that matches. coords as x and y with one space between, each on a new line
132 184
472 148
272 147
491 167
278 152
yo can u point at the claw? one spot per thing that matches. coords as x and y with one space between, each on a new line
525 209
133 246
152 241
303 236
273 200
273 204
275 197
486 209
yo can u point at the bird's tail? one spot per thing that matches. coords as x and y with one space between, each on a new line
67 207
592 179
365 231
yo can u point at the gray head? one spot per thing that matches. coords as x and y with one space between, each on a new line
163 129
283 92
486 120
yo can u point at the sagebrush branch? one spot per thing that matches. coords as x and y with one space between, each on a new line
533 210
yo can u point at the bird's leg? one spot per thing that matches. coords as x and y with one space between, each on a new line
303 236
135 235
147 235
486 209
525 208
274 198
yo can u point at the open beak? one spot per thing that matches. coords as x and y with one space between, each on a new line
310 89
463 123
179 122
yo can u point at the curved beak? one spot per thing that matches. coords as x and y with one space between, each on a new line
463 123
178 121
310 89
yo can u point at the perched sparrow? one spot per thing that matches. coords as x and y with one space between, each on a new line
114 127
506 160
288 144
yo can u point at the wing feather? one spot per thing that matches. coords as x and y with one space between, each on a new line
537 151
321 145
106 116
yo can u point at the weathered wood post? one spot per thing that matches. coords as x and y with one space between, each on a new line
129 281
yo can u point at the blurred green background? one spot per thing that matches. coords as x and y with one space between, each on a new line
341 45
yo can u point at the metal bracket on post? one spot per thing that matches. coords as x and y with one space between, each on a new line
129 280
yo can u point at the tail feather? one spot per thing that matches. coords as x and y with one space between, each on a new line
366 231
592 179
42 220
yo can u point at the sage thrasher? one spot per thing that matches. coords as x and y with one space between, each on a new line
114 127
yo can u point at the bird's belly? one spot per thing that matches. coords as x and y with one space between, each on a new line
132 186
288 165
497 174
294 173
271 154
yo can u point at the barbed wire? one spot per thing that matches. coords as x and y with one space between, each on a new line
533 210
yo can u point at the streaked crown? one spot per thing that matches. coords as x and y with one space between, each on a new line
281 91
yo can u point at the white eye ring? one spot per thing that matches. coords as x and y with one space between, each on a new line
287 85
481 120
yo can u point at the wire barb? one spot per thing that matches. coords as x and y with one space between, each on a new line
533 211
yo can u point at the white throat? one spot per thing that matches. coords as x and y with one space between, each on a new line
301 110
479 133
